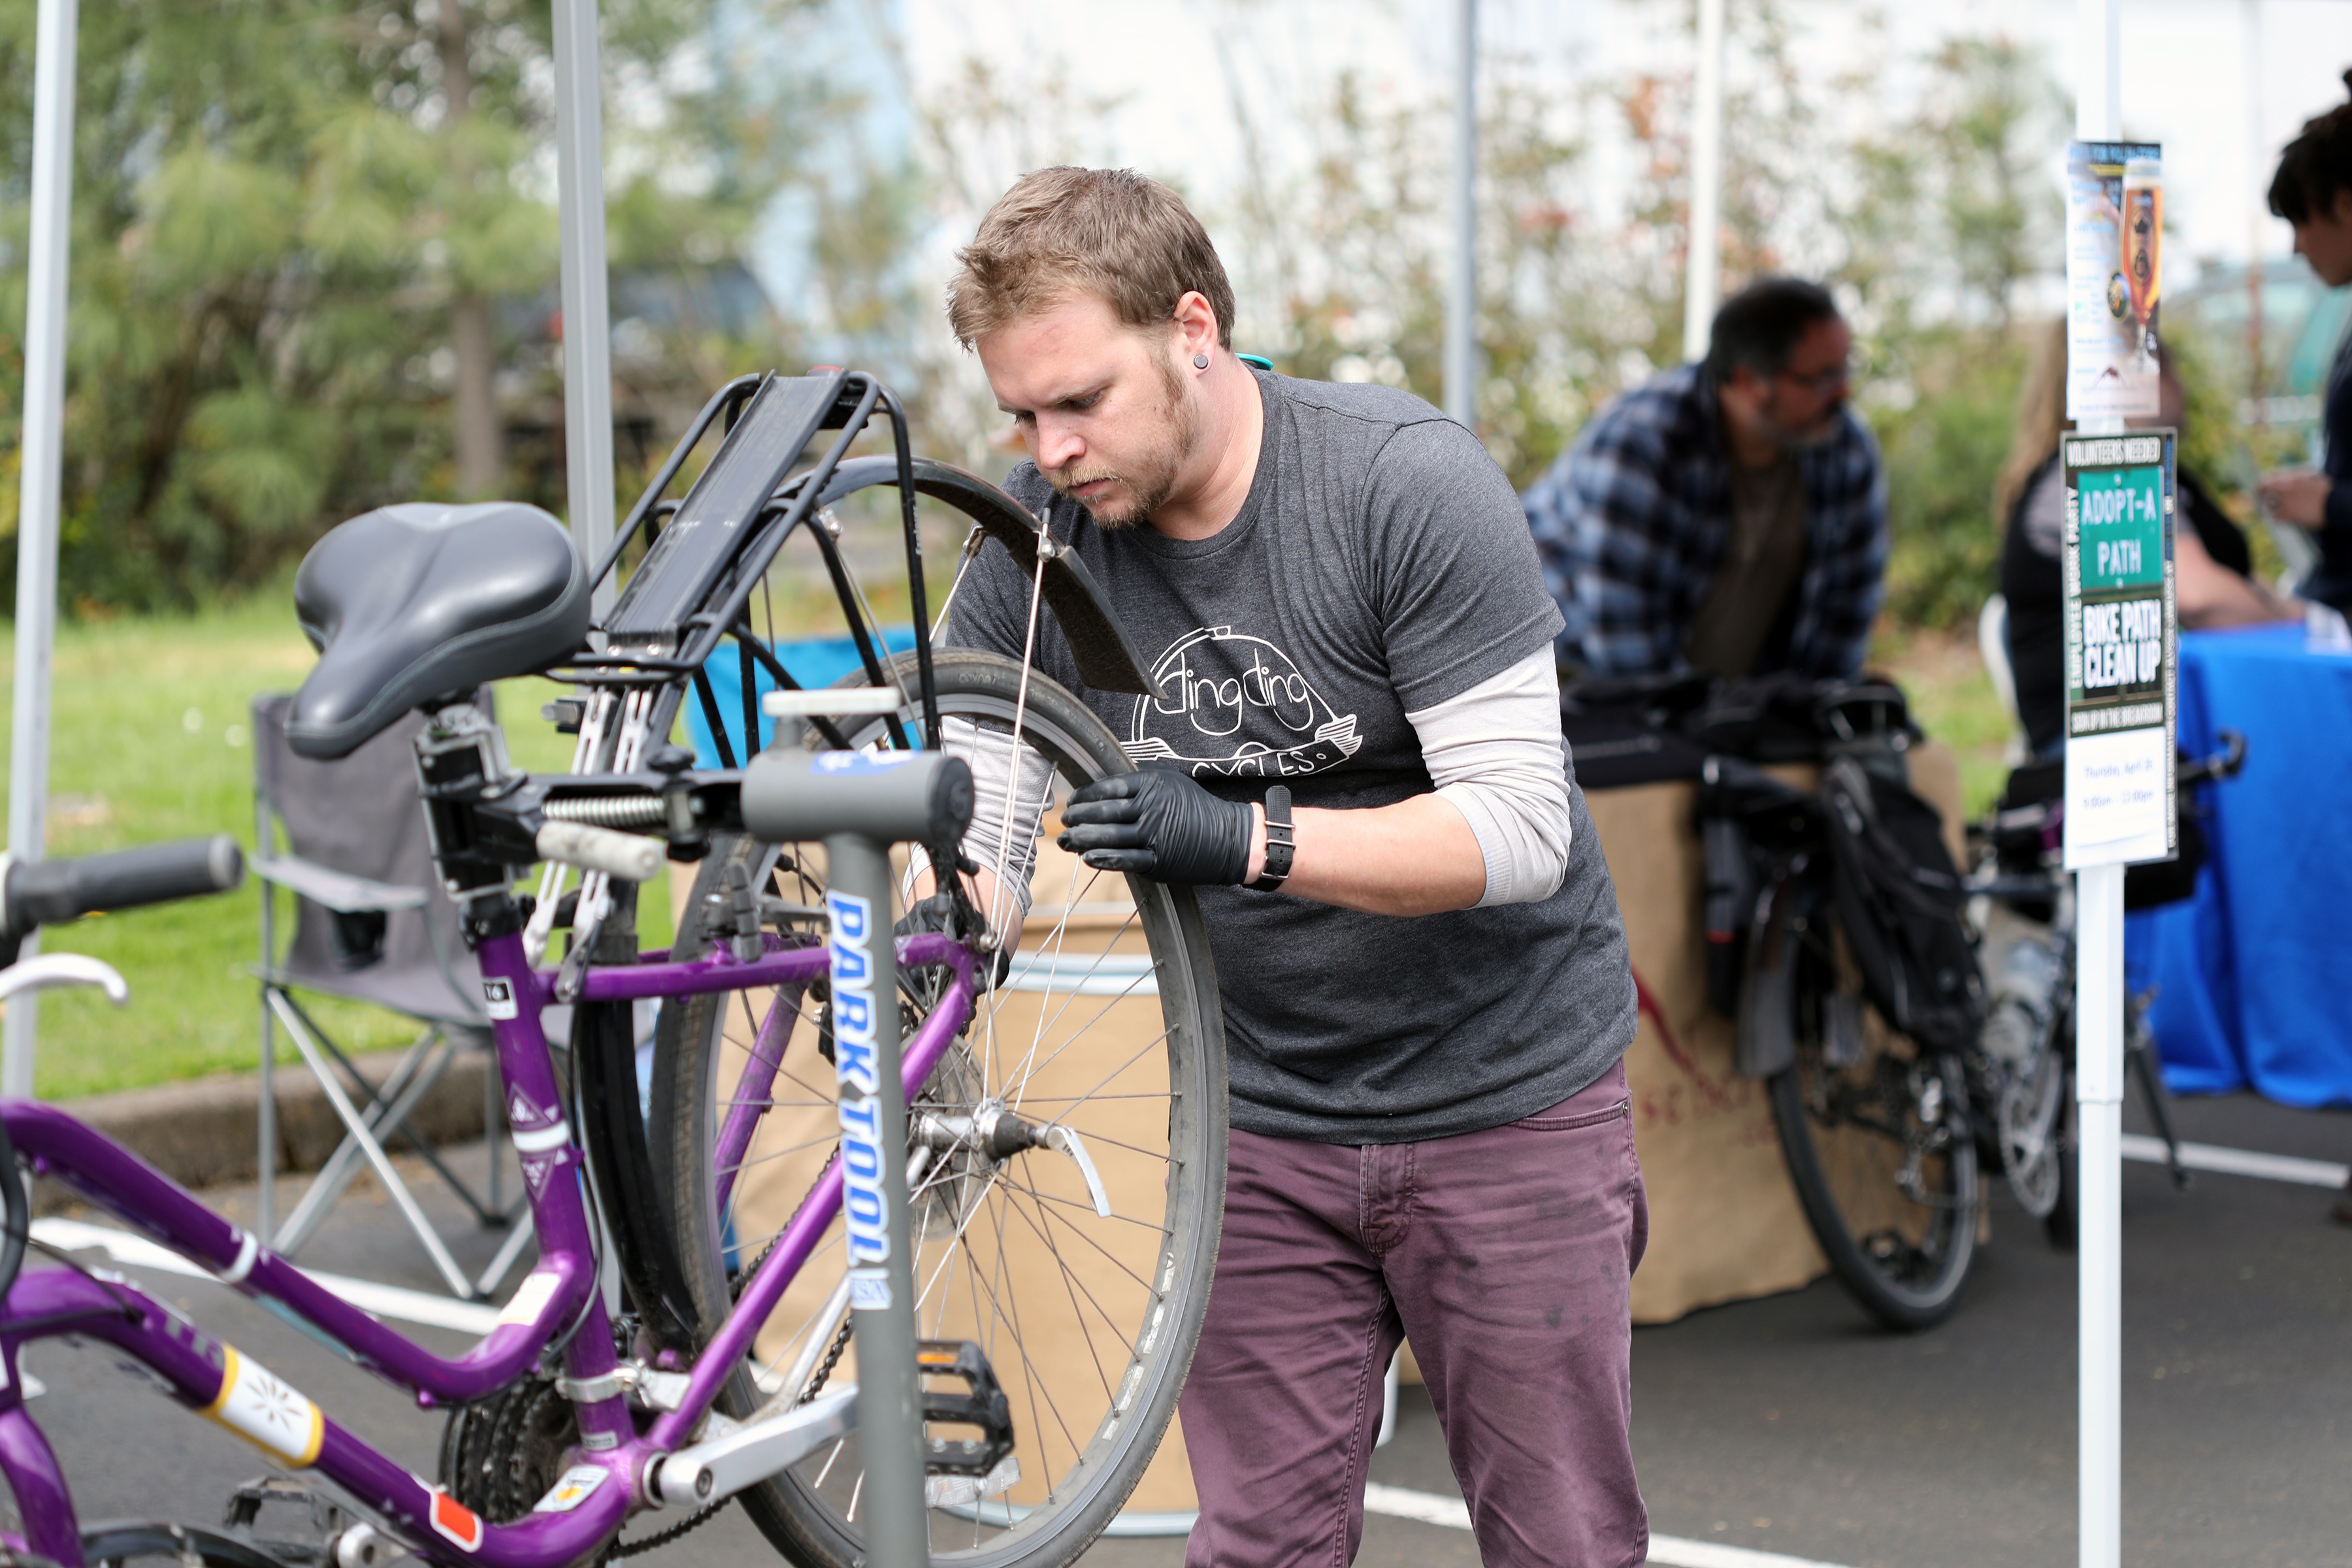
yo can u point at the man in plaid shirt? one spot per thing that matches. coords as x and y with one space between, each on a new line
1727 516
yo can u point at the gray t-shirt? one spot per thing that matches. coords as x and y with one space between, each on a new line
1380 565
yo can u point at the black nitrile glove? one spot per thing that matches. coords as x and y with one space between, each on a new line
1159 823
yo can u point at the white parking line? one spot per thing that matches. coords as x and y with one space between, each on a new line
378 1300
1666 1550
1429 1507
2238 1161
1673 1552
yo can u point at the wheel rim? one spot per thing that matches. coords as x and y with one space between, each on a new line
1011 1254
1895 1169
2033 1100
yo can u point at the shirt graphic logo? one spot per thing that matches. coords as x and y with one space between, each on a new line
1233 706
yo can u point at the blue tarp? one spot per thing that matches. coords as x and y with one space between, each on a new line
2254 973
813 661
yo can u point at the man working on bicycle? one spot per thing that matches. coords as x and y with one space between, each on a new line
1426 991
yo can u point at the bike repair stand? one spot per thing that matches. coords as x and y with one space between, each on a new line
860 803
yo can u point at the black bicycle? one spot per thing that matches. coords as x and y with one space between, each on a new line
1913 1025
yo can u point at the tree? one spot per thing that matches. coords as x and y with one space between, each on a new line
291 220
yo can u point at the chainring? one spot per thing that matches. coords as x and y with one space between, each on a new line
500 1456
2033 1100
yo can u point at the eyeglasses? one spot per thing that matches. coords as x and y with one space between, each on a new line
1822 382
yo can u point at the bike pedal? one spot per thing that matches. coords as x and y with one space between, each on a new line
979 1404
280 1495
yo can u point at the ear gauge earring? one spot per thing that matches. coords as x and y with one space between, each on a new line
1199 362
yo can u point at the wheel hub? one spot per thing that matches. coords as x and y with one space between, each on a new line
2033 1098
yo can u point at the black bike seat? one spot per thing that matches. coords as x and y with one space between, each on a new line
414 603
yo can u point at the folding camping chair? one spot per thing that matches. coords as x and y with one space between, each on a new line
370 924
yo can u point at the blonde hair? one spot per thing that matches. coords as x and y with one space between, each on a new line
1129 240
2040 421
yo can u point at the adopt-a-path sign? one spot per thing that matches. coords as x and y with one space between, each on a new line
2121 648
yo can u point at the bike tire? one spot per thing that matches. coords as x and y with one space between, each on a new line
1902 1255
2063 1224
1079 1464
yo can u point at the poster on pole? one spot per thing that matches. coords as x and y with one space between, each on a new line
2115 240
2121 718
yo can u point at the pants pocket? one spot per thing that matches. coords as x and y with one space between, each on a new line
1547 1121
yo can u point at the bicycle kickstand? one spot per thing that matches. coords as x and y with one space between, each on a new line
2141 1050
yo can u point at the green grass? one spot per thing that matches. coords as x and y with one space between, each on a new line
149 741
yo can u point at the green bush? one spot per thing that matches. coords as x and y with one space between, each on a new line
1943 454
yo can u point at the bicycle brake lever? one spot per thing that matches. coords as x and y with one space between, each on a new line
50 970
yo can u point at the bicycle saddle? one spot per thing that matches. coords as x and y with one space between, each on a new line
414 605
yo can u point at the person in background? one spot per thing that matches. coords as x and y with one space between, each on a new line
2313 191
2214 582
1727 517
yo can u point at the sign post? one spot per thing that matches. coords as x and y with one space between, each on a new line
2120 721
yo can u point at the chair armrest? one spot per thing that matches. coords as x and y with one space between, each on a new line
337 891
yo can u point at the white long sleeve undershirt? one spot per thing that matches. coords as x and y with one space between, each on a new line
1495 754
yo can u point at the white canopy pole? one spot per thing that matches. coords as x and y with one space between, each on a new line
2099 1013
1462 284
2250 32
37 496
1703 286
587 317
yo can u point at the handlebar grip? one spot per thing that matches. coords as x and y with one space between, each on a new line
46 892
622 855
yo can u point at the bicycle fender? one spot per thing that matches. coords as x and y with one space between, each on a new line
1107 658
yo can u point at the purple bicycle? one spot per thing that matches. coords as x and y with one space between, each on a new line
1062 1150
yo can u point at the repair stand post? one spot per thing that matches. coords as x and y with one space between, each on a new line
882 1290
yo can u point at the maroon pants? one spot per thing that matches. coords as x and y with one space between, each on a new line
1506 1257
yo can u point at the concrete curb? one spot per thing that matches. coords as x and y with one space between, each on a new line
208 1132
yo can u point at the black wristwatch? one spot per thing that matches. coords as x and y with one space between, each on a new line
1278 841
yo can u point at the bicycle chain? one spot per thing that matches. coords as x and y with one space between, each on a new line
620 1550
840 1340
832 1360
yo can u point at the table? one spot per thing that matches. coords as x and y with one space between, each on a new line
2253 974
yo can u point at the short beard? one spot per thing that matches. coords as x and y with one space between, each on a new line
1796 443
1151 476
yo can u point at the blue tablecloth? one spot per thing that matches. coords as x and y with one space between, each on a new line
812 661
2255 971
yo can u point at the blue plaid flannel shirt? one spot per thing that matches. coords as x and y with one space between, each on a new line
1631 526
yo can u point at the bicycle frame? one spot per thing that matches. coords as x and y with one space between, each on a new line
557 1305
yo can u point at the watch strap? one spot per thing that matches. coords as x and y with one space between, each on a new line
1280 842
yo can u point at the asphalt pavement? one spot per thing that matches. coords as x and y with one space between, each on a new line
1787 1426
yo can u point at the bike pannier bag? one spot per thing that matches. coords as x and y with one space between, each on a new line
1899 900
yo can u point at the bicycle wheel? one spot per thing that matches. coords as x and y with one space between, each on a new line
1088 1321
1877 1138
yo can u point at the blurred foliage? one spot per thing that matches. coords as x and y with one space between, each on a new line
275 212
1931 228
1943 450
